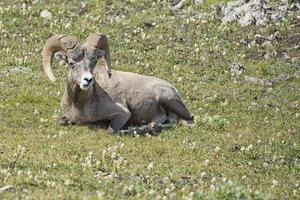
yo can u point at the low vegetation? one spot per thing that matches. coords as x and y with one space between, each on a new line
245 144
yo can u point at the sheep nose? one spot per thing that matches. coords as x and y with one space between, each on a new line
88 80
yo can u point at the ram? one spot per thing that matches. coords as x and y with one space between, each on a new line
97 93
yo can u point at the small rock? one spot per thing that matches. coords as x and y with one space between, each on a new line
20 69
277 17
236 69
285 56
253 80
178 5
267 56
208 99
46 14
258 81
258 12
246 12
275 36
295 6
246 20
199 2
6 188
3 74
296 62
259 39
267 44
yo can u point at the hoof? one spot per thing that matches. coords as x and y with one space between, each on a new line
63 121
111 130
186 123
154 127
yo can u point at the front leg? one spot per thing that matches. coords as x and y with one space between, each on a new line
117 122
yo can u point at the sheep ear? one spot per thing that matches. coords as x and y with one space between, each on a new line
99 54
96 55
62 56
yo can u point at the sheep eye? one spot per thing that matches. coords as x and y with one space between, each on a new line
72 64
92 57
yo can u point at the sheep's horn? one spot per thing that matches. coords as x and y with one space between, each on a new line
61 42
100 41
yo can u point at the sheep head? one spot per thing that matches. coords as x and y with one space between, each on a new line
82 59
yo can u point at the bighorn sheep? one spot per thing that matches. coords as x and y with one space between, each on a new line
101 94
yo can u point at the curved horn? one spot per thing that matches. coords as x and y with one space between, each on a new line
61 42
100 41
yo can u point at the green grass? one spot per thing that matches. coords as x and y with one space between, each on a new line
246 141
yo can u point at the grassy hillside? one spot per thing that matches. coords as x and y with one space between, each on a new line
246 141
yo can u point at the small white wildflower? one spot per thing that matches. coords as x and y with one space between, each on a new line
212 187
193 145
44 173
295 192
258 141
113 154
36 112
148 135
135 134
21 149
100 194
121 145
274 183
50 183
213 180
217 149
29 173
150 166
68 25
197 118
104 152
67 182
191 195
46 14
168 190
98 163
206 162
265 164
249 147
185 141
19 173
